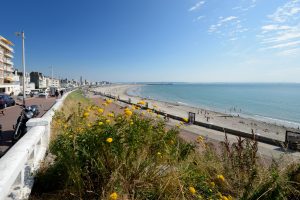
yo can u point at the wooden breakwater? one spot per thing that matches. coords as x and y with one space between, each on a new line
258 138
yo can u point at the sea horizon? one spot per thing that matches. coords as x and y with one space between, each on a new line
275 103
215 82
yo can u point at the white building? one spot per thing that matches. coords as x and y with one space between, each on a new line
52 82
56 83
29 85
9 82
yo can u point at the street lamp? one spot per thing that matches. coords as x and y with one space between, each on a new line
23 61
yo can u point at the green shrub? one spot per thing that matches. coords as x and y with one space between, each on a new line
100 155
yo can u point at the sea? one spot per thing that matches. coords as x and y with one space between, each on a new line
277 103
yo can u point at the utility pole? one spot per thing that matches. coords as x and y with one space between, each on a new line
52 75
22 34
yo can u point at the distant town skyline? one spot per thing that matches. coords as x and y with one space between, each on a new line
158 41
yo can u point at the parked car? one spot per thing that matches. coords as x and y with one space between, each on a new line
6 100
35 92
27 92
43 94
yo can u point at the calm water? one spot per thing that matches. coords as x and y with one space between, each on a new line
272 102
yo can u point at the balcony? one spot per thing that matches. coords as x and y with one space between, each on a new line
6 46
8 62
8 69
7 54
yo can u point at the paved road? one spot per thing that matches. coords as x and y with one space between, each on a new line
10 117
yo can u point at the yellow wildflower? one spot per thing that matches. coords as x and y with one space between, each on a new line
141 102
100 123
212 184
177 125
224 198
89 125
104 104
109 140
158 153
192 190
221 177
200 139
131 123
108 101
128 113
86 114
100 110
185 119
107 121
110 115
113 196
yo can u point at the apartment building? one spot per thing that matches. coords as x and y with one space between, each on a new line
43 82
56 83
52 82
39 80
8 80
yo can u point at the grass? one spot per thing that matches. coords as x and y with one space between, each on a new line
134 156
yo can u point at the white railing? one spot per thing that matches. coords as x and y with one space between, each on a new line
19 164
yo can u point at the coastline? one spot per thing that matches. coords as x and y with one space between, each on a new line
229 120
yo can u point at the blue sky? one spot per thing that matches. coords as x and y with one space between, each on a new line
158 40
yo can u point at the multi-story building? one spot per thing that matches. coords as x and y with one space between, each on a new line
39 80
56 83
29 85
8 81
52 82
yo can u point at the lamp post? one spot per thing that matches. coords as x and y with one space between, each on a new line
23 62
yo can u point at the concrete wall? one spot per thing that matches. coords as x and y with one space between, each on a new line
19 164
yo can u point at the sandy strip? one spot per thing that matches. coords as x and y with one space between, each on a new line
190 132
247 125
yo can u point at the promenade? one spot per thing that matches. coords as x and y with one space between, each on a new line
8 120
192 131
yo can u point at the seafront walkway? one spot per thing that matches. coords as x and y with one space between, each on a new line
268 147
23 159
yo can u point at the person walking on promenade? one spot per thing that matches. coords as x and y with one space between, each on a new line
61 93
56 93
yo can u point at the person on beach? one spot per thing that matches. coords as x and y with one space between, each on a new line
166 117
61 93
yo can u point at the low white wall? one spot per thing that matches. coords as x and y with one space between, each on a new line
18 165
